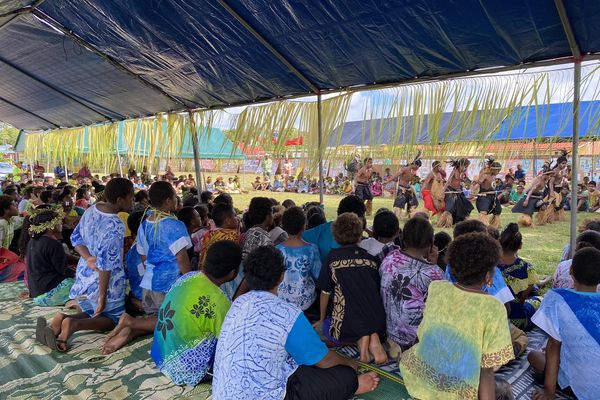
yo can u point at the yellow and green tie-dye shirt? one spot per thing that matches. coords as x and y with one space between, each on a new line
461 333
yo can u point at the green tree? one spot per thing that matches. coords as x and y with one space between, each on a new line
8 134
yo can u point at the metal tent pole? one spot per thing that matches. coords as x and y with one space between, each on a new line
577 58
194 133
575 158
320 140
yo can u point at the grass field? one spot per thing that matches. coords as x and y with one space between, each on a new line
542 245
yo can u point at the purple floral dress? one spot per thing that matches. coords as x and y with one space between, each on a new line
404 284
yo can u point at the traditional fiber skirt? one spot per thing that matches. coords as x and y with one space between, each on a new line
458 205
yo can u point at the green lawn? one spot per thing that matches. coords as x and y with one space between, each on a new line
542 245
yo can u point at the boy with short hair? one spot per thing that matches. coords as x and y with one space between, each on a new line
571 318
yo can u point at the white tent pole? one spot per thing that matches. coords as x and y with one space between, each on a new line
320 140
575 156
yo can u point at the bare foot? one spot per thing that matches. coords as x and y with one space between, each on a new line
377 350
363 349
124 322
367 382
56 323
116 342
67 328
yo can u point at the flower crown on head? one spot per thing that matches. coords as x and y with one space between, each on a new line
43 227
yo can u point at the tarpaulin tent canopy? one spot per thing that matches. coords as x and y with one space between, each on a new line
524 123
78 62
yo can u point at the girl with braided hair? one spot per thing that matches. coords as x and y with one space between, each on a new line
457 206
49 279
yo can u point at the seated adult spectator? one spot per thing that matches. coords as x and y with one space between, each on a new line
267 349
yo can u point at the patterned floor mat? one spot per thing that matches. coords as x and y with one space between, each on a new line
29 370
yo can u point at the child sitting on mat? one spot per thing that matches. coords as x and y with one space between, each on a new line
350 276
464 333
162 243
302 262
190 318
100 278
405 278
572 319
49 279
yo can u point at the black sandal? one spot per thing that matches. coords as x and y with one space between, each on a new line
40 329
53 342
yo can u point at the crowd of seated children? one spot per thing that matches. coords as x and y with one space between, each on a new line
381 292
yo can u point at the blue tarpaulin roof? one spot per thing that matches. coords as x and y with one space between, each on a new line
531 122
78 62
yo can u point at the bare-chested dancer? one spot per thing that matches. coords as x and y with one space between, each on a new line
362 185
487 202
406 196
458 207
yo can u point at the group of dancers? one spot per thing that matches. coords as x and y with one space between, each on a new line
445 195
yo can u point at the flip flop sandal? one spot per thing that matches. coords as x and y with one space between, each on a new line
40 329
54 343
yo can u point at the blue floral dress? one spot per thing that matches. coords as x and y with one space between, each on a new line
104 235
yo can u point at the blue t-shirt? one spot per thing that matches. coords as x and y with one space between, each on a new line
499 289
160 243
302 268
135 271
322 236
